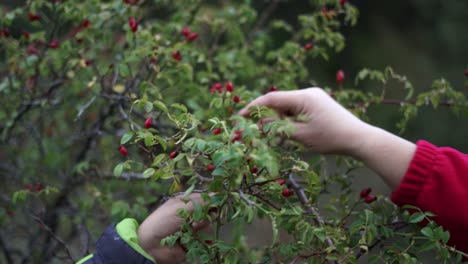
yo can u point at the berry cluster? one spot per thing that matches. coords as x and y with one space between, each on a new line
368 198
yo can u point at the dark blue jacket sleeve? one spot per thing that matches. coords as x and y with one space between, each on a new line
112 248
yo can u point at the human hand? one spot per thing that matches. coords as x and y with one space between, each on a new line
164 222
329 127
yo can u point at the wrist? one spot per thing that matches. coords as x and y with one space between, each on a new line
385 153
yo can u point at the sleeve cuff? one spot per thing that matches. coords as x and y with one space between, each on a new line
419 173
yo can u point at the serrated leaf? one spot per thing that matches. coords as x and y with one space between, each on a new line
189 190
148 107
416 218
148 173
427 231
160 105
126 137
157 160
181 107
118 170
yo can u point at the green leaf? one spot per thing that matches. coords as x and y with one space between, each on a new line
19 196
427 231
148 173
189 190
416 218
157 160
118 170
126 137
160 105
319 233
148 107
429 245
181 107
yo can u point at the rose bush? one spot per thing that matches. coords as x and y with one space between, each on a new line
109 107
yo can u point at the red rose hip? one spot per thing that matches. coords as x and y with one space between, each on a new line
370 199
365 192
210 167
287 193
340 77
148 122
192 36
229 87
217 131
123 150
173 154
236 99
176 55
281 182
254 169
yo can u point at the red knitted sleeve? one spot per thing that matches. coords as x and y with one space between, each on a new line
437 181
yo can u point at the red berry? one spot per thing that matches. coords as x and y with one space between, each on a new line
133 24
370 199
466 73
176 55
210 167
340 77
148 123
185 31
26 34
217 131
88 62
209 242
30 187
31 49
287 193
236 99
154 59
192 36
10 213
217 87
54 44
342 3
173 154
34 17
131 2
230 110
308 46
281 182
365 192
273 89
123 150
229 87
6 32
86 23
239 132
254 169
235 138
38 187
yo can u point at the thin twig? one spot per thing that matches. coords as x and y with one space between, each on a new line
300 193
53 235
245 198
262 20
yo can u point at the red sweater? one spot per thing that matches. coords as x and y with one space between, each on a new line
437 181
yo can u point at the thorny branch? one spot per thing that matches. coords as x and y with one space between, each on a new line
53 235
300 193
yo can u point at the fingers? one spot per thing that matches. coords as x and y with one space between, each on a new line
284 102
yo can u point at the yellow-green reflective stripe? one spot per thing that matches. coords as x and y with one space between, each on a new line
127 230
83 260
